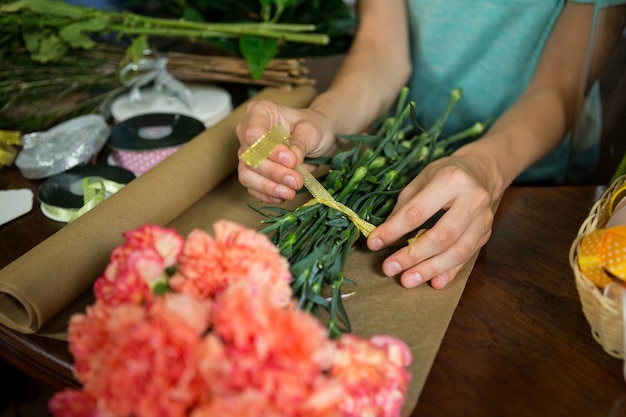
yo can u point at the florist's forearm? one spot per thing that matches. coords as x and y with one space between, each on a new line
521 137
374 69
358 96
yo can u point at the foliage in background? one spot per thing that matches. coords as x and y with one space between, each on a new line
35 96
333 18
51 62
49 29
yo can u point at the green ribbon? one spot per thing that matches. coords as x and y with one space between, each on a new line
95 191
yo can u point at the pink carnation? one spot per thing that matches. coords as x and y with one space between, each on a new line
228 341
281 352
373 373
208 265
138 265
248 403
140 361
165 241
74 403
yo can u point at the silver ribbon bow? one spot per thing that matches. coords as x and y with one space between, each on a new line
154 70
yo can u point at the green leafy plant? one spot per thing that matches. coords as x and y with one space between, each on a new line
49 29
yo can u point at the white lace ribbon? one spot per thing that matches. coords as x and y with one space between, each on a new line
149 70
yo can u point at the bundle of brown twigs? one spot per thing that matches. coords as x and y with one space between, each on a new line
278 73
34 96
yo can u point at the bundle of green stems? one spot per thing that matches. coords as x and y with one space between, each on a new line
367 178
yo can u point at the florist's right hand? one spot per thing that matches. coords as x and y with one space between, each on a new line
275 179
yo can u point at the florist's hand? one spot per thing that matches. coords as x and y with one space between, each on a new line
275 179
457 184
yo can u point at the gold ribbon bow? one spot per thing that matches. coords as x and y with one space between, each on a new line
278 135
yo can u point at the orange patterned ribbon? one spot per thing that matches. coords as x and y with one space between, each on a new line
602 255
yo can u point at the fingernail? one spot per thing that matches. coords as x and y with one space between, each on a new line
392 268
443 279
283 192
284 158
376 244
412 280
290 182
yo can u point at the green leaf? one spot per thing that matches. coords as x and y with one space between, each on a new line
52 8
44 47
74 34
339 222
192 14
314 297
160 288
361 138
136 50
257 52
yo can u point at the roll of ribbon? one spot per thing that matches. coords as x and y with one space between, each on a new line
140 161
141 142
7 154
69 144
210 104
67 196
601 255
95 190
9 138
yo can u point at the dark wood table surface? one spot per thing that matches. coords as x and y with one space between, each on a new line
518 344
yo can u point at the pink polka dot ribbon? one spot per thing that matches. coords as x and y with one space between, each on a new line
139 162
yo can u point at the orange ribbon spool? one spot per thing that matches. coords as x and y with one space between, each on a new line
602 255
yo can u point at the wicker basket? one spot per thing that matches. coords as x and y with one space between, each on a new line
603 313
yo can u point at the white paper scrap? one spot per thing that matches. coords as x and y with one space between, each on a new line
14 203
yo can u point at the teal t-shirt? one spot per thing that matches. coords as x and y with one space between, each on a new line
490 49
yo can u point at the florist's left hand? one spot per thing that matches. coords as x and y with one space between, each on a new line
457 184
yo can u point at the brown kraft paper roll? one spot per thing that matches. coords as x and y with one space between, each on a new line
41 283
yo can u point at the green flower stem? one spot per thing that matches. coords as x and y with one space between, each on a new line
358 175
211 32
437 128
476 129
133 24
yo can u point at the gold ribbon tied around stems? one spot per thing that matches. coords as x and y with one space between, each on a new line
278 135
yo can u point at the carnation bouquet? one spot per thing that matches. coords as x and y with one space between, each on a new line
207 326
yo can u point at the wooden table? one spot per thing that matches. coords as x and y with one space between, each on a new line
518 344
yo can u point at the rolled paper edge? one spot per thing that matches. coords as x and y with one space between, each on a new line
80 251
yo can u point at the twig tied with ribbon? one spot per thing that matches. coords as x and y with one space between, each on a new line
278 135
